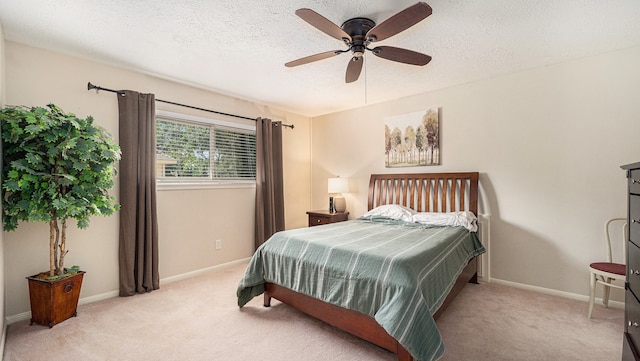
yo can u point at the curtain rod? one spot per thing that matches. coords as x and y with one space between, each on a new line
120 92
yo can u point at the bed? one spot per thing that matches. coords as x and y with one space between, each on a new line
322 270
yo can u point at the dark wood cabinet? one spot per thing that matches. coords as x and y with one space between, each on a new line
317 218
631 339
628 353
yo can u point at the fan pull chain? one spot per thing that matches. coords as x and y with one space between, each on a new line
365 81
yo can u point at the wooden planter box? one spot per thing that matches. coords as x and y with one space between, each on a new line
53 301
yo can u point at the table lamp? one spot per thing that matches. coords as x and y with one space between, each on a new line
338 186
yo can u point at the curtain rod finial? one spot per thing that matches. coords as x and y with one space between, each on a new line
91 86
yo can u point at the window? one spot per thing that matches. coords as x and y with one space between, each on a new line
199 150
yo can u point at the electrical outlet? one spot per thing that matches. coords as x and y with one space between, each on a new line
218 244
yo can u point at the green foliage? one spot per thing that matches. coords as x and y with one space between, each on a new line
193 151
73 269
56 166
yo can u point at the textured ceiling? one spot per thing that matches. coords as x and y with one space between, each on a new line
239 47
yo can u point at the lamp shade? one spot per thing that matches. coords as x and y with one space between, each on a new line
338 185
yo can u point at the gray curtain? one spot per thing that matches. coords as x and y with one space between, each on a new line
138 248
269 189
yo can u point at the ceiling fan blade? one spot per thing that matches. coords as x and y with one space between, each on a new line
353 69
323 24
312 58
401 55
399 22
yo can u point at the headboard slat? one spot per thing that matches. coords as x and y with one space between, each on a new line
427 200
462 194
452 193
443 196
412 203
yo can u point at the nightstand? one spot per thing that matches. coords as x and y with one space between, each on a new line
317 218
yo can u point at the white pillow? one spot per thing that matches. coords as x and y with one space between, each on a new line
393 211
464 219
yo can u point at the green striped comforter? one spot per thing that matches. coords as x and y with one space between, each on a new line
397 272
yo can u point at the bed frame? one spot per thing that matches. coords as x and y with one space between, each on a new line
424 192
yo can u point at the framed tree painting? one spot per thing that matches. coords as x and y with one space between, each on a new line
412 139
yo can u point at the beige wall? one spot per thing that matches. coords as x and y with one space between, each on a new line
190 220
548 143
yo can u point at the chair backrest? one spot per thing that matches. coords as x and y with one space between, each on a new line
612 228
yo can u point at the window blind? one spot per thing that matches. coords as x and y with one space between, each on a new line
190 151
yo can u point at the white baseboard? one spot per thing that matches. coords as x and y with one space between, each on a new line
103 296
19 317
183 276
484 269
552 292
111 294
3 339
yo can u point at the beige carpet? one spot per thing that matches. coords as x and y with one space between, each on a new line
197 319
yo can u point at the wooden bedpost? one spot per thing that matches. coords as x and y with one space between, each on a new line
403 354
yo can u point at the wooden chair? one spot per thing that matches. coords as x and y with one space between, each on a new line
605 272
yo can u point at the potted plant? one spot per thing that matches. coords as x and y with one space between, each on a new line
56 167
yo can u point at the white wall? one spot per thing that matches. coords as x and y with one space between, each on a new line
548 143
189 220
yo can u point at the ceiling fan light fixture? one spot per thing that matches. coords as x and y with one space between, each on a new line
358 50
357 33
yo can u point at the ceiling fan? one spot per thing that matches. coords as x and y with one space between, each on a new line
358 33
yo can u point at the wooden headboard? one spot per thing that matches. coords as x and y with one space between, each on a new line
426 192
